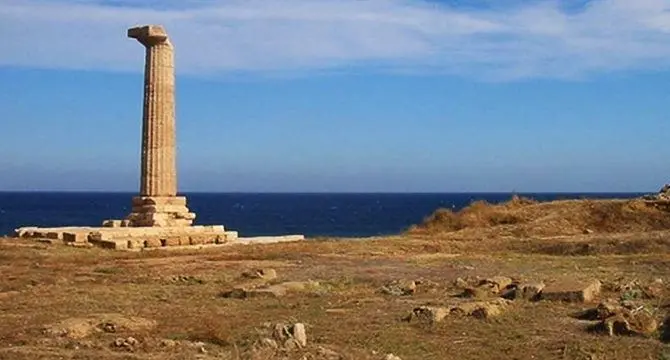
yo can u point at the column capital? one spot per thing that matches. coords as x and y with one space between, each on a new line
149 35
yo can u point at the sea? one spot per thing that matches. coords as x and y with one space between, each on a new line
311 214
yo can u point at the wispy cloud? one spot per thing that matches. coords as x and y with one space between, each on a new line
528 39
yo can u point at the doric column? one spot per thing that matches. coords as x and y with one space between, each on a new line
158 203
158 165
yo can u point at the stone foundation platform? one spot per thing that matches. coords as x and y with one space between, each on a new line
161 211
145 238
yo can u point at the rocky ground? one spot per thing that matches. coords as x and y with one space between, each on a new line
454 294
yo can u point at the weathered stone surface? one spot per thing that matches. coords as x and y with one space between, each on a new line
497 283
75 237
172 241
479 292
526 291
116 244
630 324
78 328
400 288
111 223
570 290
481 309
158 203
153 242
299 334
265 274
430 314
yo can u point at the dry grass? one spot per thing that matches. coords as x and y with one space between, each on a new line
180 290
351 316
521 217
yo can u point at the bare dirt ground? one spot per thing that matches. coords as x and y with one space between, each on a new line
59 302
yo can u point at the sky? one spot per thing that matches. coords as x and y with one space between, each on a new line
343 95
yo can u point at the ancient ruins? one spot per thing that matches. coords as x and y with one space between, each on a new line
159 217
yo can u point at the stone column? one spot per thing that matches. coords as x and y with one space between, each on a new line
158 203
159 172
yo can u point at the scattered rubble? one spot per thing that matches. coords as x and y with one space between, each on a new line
263 274
617 319
477 309
78 328
273 291
128 343
497 283
400 288
526 291
185 279
285 336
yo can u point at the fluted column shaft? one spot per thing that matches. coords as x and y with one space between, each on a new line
158 168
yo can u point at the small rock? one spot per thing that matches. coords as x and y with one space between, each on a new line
497 283
428 314
399 288
131 341
119 342
587 231
265 274
299 334
108 327
392 357
168 343
481 309
461 283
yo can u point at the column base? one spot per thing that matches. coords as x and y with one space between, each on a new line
160 211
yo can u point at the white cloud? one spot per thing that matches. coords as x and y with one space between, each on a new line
529 39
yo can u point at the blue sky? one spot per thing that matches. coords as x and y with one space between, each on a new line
346 95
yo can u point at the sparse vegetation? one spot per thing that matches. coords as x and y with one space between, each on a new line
521 217
354 318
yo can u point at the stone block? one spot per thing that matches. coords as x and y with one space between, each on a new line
213 228
172 241
24 232
153 242
231 236
571 290
111 223
196 240
75 237
135 244
118 244
185 215
159 200
177 209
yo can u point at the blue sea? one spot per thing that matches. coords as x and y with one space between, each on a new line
345 215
